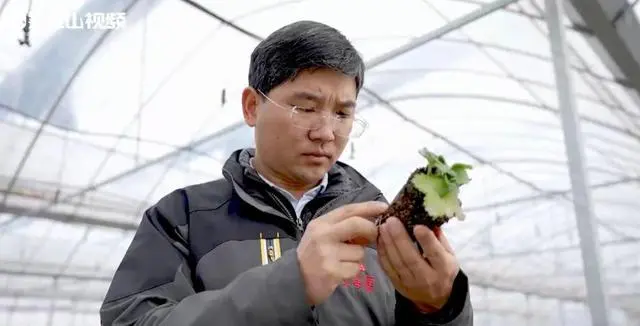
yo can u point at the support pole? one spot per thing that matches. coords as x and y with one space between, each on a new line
561 314
589 243
528 314
489 314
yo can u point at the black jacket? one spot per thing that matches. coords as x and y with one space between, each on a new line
223 254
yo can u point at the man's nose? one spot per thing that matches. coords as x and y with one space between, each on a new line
324 129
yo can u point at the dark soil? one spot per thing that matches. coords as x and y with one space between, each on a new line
407 207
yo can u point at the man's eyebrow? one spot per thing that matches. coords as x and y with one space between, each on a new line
317 98
302 95
349 104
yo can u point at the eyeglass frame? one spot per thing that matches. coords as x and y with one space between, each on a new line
294 110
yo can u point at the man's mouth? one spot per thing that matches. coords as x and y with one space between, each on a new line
317 155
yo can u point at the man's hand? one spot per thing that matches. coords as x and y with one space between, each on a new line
426 280
332 247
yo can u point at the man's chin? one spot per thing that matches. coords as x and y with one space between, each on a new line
312 174
311 160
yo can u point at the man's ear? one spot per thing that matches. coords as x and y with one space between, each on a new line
250 103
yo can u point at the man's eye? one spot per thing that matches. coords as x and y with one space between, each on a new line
305 110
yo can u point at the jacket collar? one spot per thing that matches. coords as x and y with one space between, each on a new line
341 177
311 192
248 184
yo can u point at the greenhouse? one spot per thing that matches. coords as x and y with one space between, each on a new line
106 106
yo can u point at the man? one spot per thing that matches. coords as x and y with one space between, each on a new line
286 237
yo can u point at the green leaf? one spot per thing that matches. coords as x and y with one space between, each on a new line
441 188
453 176
460 170
431 183
439 200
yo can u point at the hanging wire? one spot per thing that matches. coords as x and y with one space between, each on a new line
628 6
352 155
26 29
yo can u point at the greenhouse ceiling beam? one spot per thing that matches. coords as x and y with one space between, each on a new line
178 151
43 213
549 195
47 294
614 30
53 274
131 226
455 24
482 11
3 5
388 105
19 308
119 176
67 218
597 299
95 40
533 252
502 99
476 14
526 287
539 293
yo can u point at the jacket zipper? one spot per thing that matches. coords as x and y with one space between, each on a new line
271 251
298 222
283 207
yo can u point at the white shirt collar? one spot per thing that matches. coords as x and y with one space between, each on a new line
310 193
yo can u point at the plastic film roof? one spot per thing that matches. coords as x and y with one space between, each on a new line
96 125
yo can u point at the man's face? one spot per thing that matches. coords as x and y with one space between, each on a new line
298 155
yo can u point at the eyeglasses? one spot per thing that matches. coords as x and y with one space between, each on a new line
312 119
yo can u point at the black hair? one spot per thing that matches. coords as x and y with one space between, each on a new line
300 46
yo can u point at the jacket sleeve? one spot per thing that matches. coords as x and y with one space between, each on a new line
456 312
153 284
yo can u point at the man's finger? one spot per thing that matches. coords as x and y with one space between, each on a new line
443 240
433 250
350 253
394 254
353 228
383 258
347 270
368 209
359 241
407 251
